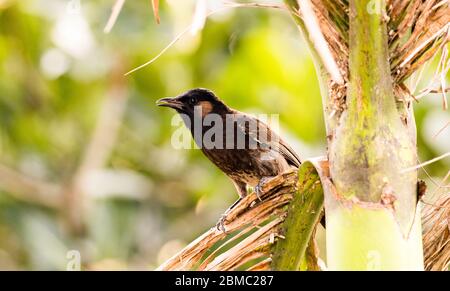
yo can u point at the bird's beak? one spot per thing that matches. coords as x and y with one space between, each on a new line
170 102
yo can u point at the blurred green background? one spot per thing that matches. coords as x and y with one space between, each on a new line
86 161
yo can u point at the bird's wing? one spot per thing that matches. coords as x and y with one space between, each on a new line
288 153
260 133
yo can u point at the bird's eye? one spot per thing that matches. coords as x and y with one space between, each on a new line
192 101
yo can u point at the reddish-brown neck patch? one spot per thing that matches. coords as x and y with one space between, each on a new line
206 107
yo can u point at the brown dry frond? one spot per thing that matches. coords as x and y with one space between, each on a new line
258 221
333 21
418 31
436 219
417 34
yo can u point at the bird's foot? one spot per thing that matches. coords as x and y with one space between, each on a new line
258 188
258 192
221 223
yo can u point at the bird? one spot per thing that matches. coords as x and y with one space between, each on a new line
243 147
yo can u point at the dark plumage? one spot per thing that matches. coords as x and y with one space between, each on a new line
247 163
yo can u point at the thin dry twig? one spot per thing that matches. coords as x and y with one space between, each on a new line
441 130
114 15
174 41
253 5
192 26
439 91
426 163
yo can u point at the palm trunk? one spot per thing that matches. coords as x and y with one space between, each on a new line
373 221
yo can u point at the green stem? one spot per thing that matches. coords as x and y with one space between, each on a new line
290 253
371 146
372 210
370 202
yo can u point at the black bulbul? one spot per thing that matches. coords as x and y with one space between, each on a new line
243 147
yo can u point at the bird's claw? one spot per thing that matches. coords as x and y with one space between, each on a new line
258 192
258 188
221 224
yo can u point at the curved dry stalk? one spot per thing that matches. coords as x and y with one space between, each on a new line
317 38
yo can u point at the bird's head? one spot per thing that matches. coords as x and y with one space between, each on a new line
203 99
